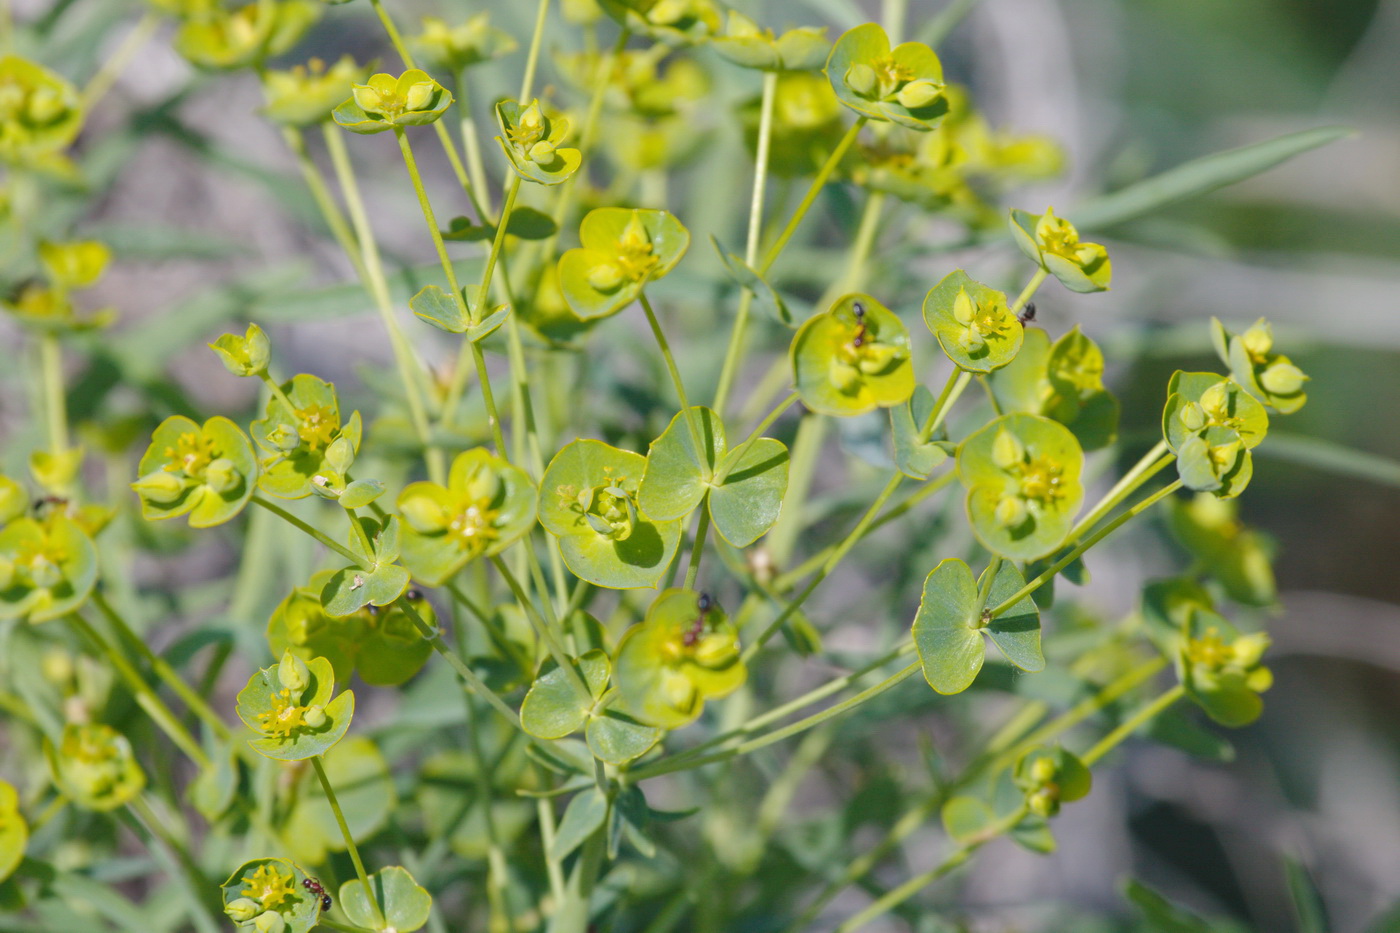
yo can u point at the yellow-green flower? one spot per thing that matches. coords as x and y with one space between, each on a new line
249 35
471 42
1222 669
305 95
95 766
40 112
1053 242
385 102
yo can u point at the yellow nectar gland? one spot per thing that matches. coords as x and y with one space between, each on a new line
1057 235
980 321
889 75
284 718
530 129
191 454
1209 650
474 524
269 887
636 255
315 425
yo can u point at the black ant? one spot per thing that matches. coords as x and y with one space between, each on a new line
314 886
692 635
1027 313
859 310
43 505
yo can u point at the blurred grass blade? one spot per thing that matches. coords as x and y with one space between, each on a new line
1200 176
1332 457
937 28
1306 906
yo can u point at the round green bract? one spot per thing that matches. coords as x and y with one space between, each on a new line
14 831
1239 411
258 697
205 505
354 118
1050 452
554 708
435 556
636 560
1094 276
300 909
289 475
70 558
566 160
24 139
1001 336
868 46
1062 381
663 681
405 904
948 631
95 766
601 235
823 351
214 42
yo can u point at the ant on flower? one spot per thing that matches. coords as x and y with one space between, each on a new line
692 635
314 886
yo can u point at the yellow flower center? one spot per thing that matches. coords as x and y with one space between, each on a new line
1209 650
192 453
316 425
636 255
284 718
1041 480
269 886
474 524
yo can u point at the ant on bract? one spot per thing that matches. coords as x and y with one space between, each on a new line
314 886
697 628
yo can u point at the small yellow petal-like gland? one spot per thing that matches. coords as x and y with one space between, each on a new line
1040 480
1209 650
160 487
636 254
860 78
1258 340
285 717
37 564
269 921
530 127
474 525
315 425
1007 450
1044 802
605 277
242 909
191 455
269 887
1282 378
919 93
420 96
1192 416
1057 235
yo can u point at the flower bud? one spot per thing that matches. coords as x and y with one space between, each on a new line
160 487
244 356
861 79
1044 802
1282 378
423 514
241 910
293 673
420 96
1192 417
284 437
1007 450
1259 339
1011 511
1249 649
222 476
269 921
367 98
964 308
314 717
918 94
1042 771
542 152
605 277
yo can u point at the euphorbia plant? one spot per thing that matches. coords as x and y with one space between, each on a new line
558 564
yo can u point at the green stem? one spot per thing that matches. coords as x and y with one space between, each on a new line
475 683
167 674
1130 725
349 840
1089 542
146 697
818 183
118 61
372 268
737 454
734 352
55 398
551 639
702 529
701 449
277 392
471 145
1151 463
532 59
308 529
1029 290
196 886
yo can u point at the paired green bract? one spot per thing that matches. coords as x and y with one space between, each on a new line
47 567
208 473
555 708
1022 476
622 250
268 895
533 142
588 500
486 506
385 102
1062 381
289 708
305 95
852 359
471 42
1270 377
745 44
1211 424
298 439
903 85
41 113
973 324
1053 243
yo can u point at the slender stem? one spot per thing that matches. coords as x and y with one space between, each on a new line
533 57
330 924
475 683
693 426
471 145
168 675
760 179
372 272
146 697
551 639
196 885
349 840
1089 542
1130 725
308 529
55 398
277 392
1151 463
112 67
818 183
702 529
908 889
493 630
1029 290
777 735
587 132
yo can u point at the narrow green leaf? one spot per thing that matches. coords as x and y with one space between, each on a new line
584 816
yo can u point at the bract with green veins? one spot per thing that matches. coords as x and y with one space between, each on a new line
95 766
622 250
208 473
588 500
1235 555
249 35
744 43
852 359
380 643
289 708
385 102
675 22
404 903
1222 668
1053 243
471 42
1197 402
1215 460
305 95
75 264
973 324
1268 376
486 506
1050 777
41 112
269 895
949 627
14 831
298 438
683 653
903 85
533 141
1023 488
1062 381
47 568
